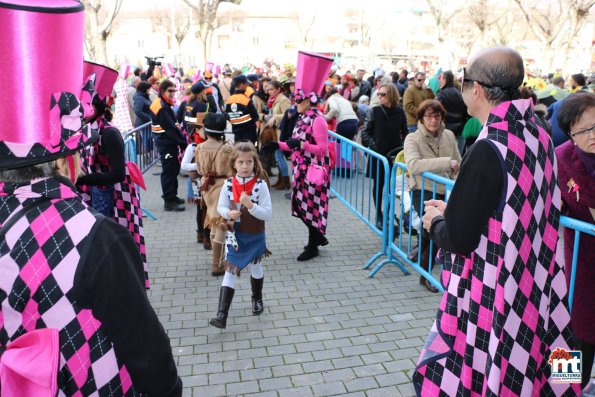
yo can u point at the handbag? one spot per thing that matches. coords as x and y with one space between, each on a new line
316 175
103 201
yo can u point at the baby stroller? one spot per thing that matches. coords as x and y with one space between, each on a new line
411 220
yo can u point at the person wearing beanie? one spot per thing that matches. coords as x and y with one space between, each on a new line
212 159
195 111
169 140
241 112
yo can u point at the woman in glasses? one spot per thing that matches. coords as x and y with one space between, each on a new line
432 148
576 177
385 127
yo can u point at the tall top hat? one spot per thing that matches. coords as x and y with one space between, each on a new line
312 72
105 78
42 64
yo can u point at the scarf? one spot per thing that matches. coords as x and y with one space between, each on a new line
588 160
237 187
167 100
271 101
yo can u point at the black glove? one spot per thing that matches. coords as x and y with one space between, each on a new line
293 143
270 146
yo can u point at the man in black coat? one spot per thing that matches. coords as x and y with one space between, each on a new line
456 110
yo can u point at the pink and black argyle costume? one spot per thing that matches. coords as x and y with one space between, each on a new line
72 298
504 309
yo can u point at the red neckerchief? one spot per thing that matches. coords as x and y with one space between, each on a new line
166 99
237 188
271 101
198 139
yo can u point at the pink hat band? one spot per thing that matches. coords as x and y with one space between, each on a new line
105 78
311 72
42 64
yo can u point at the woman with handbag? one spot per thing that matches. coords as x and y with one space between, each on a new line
385 127
310 156
110 185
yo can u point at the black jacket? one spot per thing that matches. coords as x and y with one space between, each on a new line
142 109
384 129
456 110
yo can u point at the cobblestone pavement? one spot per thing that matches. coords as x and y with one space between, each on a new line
327 329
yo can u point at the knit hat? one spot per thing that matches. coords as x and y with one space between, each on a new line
215 124
43 121
197 88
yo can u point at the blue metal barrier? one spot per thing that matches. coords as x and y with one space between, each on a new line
145 154
397 252
578 227
139 148
350 185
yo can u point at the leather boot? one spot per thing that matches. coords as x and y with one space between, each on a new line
256 284
199 225
284 184
206 239
311 250
225 298
278 182
217 265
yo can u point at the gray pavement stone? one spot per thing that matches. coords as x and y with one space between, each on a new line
329 389
327 328
305 391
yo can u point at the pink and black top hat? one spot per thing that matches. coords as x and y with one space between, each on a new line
105 78
46 97
312 71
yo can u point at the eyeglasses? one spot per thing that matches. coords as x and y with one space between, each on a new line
298 101
583 132
172 90
435 116
420 80
381 94
464 80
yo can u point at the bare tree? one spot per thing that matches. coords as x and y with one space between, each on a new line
495 22
444 14
205 12
305 25
176 24
555 33
99 19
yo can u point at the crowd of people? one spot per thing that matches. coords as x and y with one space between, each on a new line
73 251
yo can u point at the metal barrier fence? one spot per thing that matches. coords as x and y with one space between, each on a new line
359 180
140 149
145 153
398 252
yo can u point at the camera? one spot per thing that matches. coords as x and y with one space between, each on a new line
154 61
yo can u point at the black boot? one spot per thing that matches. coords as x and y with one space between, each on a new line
311 250
257 306
225 298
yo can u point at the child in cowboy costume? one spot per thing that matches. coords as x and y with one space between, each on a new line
246 202
74 315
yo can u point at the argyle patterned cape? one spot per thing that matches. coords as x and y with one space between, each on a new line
504 308
38 260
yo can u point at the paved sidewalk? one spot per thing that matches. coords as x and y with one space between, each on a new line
327 329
